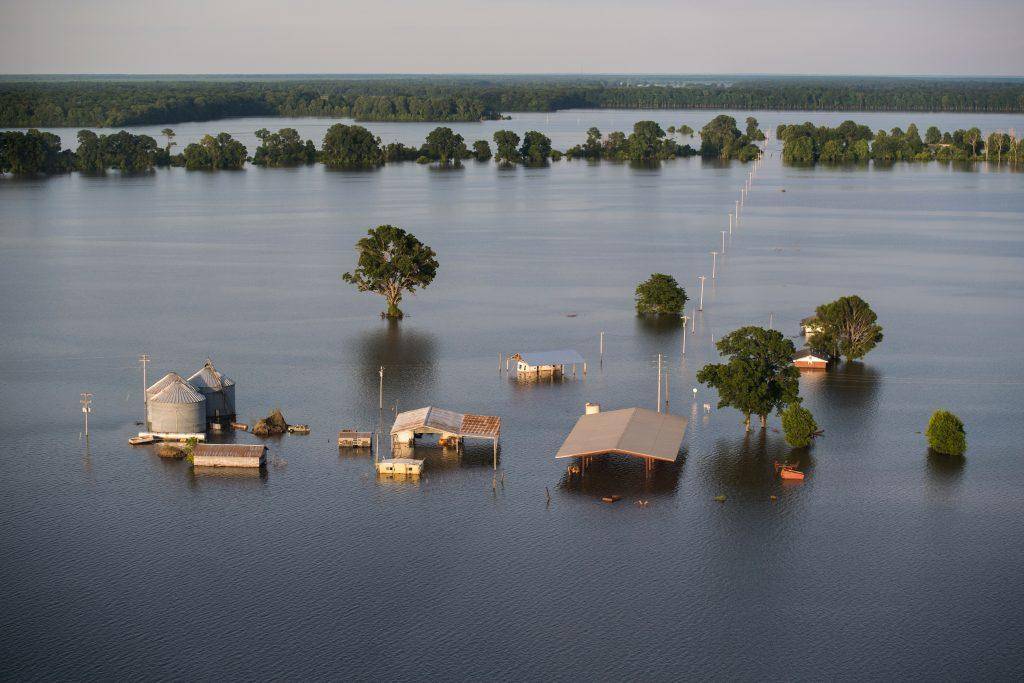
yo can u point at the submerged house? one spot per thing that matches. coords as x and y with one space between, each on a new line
810 326
805 359
229 455
548 362
219 391
175 410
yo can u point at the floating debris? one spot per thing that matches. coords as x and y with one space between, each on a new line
240 426
298 429
720 498
612 499
142 440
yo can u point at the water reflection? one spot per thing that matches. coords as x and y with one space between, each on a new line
747 463
246 477
473 454
847 385
623 476
658 325
408 357
944 474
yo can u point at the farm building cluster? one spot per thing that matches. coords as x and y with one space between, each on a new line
178 409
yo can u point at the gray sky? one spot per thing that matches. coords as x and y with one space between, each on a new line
647 36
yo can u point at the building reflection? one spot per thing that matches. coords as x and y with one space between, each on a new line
624 476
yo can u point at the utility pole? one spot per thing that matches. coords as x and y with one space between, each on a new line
86 409
685 319
144 359
602 349
701 306
659 382
771 320
723 242
730 222
714 263
380 390
666 390
737 212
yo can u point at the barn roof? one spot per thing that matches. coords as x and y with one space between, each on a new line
207 377
484 426
631 431
177 390
229 450
556 357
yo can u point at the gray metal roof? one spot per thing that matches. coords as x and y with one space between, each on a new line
439 419
177 391
207 377
556 357
161 384
631 431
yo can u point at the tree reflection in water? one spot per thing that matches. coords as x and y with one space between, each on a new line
624 476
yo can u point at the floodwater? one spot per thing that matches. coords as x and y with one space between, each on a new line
885 563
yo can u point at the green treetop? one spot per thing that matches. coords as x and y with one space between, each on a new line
847 328
660 294
392 262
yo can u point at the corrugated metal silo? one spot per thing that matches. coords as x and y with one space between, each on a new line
218 389
177 408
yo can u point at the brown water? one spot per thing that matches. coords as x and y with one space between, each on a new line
884 563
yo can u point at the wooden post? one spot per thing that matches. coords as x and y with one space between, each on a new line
584 368
495 464
499 361
666 390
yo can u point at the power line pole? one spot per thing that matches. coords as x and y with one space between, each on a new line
86 409
723 242
144 359
701 306
685 319
714 264
602 349
659 382
380 390
730 222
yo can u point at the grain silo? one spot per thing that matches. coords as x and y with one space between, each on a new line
176 409
218 390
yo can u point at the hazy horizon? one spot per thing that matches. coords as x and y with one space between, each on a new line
563 37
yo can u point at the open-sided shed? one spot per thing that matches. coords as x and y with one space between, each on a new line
636 432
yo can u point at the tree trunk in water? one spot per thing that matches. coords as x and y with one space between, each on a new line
746 424
764 421
393 310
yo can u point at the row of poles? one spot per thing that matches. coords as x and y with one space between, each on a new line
734 222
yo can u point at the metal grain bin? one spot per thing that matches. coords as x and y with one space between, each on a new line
218 389
177 408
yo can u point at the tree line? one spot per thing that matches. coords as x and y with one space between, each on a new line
851 142
34 152
139 102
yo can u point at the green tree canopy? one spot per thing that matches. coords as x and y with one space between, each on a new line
645 142
660 294
445 145
847 328
33 152
536 148
945 433
214 153
283 148
507 147
759 375
482 150
798 426
753 132
392 262
351 147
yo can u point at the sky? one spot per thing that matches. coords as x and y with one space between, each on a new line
891 37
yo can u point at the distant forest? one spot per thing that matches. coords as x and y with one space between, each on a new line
114 103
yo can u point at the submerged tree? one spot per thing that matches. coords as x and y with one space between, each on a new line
660 294
446 146
482 150
946 434
798 426
507 143
283 148
847 328
645 142
351 147
392 262
536 148
759 376
213 153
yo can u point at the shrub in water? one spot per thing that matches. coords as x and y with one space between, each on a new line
798 425
946 433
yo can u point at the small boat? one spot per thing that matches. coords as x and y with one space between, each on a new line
789 472
612 498
298 429
240 426
141 440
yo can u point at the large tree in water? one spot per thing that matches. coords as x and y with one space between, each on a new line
392 262
759 376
